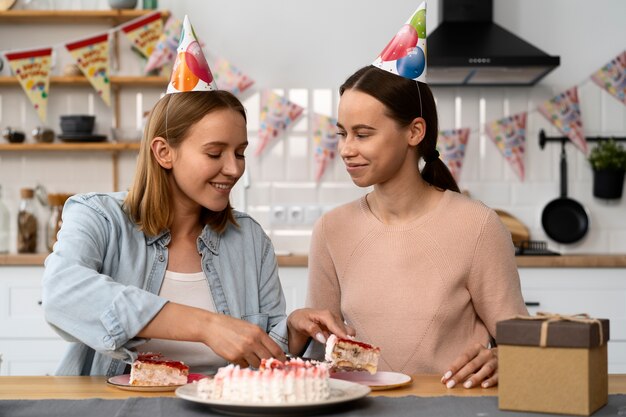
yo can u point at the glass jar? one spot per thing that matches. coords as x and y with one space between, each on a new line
4 225
27 223
56 202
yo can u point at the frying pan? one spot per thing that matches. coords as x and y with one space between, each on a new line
565 220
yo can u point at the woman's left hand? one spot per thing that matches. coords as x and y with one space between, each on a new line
477 366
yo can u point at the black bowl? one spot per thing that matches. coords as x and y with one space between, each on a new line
78 124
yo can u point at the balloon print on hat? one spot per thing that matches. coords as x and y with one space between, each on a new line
191 71
405 55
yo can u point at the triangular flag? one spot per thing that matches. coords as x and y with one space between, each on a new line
451 145
32 69
325 137
612 77
563 111
230 78
509 135
165 50
92 57
191 72
405 54
144 33
277 114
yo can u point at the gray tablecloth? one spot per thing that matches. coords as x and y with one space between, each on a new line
371 406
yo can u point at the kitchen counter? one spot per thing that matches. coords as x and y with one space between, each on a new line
81 387
563 261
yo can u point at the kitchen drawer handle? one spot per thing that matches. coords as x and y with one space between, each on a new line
532 303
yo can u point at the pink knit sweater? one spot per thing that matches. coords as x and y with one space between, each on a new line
422 291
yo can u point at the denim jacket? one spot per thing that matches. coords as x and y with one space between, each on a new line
101 282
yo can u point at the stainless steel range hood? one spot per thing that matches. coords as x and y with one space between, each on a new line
469 49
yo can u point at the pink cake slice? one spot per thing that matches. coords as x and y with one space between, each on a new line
154 370
350 355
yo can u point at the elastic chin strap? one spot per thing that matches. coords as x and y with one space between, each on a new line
167 109
419 94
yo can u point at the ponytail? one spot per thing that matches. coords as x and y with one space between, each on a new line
436 172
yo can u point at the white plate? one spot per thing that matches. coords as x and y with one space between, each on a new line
340 392
123 382
379 381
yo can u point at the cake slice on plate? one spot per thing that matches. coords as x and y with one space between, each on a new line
154 370
350 355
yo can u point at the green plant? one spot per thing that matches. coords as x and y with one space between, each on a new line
608 155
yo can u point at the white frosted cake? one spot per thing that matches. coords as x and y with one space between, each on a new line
275 382
350 355
154 370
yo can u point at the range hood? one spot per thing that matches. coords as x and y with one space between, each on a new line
469 49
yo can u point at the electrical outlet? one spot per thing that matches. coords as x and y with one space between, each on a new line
311 214
279 215
295 215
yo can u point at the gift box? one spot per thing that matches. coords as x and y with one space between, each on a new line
551 363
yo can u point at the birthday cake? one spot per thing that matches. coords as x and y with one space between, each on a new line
275 382
350 355
154 370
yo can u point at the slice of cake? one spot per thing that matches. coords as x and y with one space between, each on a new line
350 355
275 382
154 370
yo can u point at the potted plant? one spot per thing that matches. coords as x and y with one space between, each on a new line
608 161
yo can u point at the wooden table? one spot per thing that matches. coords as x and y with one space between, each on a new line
81 387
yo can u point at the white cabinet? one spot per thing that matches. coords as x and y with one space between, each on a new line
293 281
599 292
30 347
27 344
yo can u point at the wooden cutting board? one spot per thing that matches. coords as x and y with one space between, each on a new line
519 232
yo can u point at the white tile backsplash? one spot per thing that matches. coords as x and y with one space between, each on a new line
285 173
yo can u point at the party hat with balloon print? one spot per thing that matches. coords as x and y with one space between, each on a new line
191 71
405 54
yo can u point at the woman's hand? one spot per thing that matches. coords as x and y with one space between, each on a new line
240 342
235 340
478 365
318 324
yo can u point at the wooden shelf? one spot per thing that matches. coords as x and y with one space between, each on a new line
65 147
121 80
111 17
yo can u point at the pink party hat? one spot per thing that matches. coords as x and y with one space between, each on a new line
405 55
191 71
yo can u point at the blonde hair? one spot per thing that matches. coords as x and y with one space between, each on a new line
148 202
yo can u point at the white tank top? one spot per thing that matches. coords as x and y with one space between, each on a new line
192 290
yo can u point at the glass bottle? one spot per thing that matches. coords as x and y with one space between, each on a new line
27 223
4 225
56 202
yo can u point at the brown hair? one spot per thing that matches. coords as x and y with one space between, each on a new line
148 201
404 102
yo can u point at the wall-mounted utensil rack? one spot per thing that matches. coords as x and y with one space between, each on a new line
543 139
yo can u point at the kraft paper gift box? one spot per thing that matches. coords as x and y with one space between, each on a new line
553 364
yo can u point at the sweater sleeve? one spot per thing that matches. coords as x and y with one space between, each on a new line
493 280
323 290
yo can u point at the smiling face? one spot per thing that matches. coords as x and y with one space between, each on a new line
374 148
209 161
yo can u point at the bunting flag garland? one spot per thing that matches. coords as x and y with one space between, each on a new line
405 54
509 135
277 114
612 77
451 145
230 78
325 138
32 69
165 50
144 33
563 111
92 57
